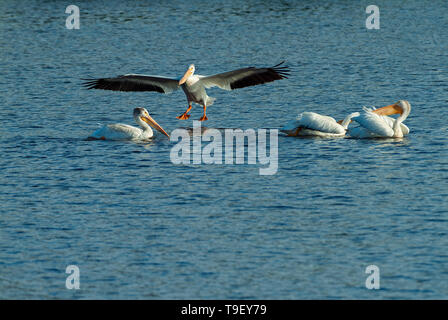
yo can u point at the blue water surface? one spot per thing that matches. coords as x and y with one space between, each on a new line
140 227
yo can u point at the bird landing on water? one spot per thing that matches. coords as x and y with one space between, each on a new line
192 84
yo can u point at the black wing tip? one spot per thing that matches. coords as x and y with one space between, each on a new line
90 83
111 84
282 70
277 72
277 65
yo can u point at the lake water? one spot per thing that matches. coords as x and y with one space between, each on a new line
141 227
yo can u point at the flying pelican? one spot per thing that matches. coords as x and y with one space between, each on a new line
314 124
375 123
193 85
120 131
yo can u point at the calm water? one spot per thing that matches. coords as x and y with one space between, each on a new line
139 226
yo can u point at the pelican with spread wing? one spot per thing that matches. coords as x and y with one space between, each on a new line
193 85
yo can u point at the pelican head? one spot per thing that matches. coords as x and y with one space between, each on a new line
142 115
405 107
187 74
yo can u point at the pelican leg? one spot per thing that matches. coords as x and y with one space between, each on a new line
185 115
204 117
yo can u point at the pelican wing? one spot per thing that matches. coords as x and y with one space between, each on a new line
374 123
390 121
116 132
318 122
245 77
134 82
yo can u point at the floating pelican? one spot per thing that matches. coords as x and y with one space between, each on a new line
126 132
193 85
376 124
314 124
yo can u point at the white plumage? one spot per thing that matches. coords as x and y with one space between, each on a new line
373 125
193 85
314 124
121 131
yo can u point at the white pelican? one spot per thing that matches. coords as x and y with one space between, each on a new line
126 132
314 124
375 123
193 85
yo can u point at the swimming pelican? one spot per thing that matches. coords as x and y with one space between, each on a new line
375 123
126 132
314 124
193 85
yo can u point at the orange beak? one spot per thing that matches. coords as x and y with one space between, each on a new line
294 133
389 110
385 111
154 124
186 76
